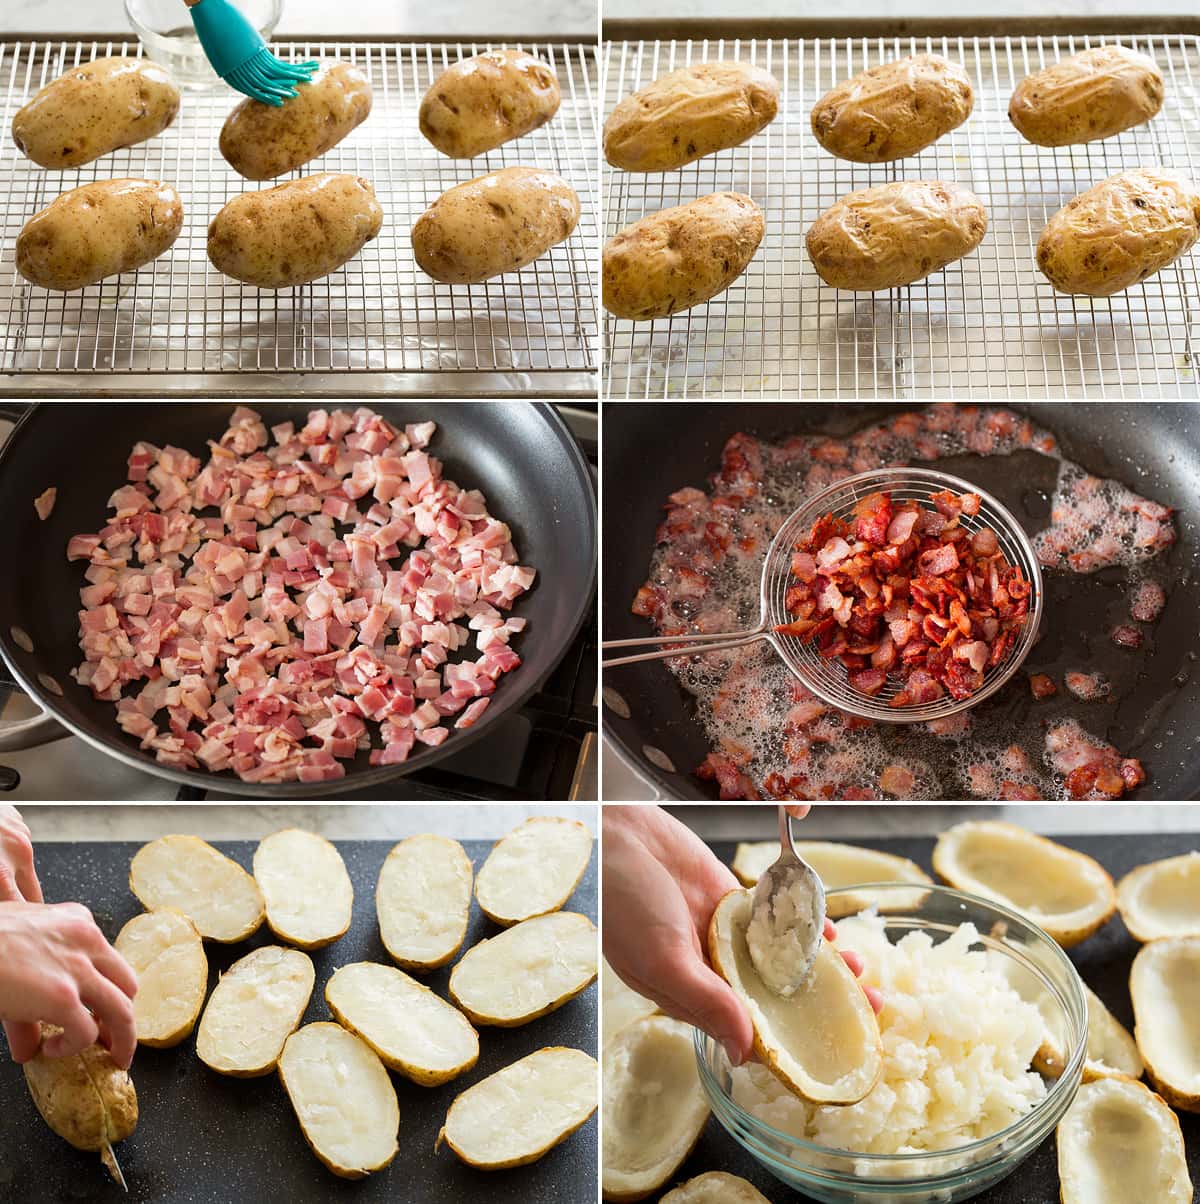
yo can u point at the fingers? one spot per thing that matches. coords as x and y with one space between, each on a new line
10 892
712 1006
875 998
113 1014
115 968
24 1036
18 879
830 930
853 960
798 812
79 1031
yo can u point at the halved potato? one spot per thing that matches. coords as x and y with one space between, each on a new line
621 1005
534 869
520 1113
1118 1143
1111 1051
423 901
1065 893
167 955
343 1099
654 1107
527 970
412 1030
716 1187
823 1042
253 1009
307 890
1162 898
213 891
1165 986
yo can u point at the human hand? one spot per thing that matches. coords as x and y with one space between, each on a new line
18 879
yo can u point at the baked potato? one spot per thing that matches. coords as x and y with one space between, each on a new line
894 234
1091 95
94 109
680 257
483 102
687 114
494 224
294 232
893 110
1119 232
261 141
97 231
166 953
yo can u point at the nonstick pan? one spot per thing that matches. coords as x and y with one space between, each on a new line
653 449
519 453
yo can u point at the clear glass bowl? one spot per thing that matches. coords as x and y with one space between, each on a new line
1039 970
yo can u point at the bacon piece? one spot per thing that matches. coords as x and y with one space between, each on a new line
897 781
1126 636
1042 686
1087 687
44 503
868 681
1147 602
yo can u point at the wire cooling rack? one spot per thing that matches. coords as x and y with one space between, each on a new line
987 326
377 325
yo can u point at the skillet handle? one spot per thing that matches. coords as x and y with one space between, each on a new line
30 733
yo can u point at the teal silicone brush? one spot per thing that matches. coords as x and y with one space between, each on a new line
239 55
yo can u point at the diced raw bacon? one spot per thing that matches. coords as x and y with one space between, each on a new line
44 503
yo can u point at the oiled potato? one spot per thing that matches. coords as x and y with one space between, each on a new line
687 114
894 234
893 110
261 141
680 257
483 102
1091 95
494 224
94 109
1116 234
99 230
295 232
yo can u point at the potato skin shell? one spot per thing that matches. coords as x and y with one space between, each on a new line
294 232
1088 96
681 257
687 114
483 102
494 224
893 110
1119 232
95 109
894 234
261 141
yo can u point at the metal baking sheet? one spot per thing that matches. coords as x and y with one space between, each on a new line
203 1138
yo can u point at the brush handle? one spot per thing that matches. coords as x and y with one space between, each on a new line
191 3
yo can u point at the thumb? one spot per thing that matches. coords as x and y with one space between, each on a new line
24 1037
712 1006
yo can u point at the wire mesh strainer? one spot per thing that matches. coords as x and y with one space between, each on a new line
827 677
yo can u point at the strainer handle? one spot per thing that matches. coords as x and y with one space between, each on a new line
717 641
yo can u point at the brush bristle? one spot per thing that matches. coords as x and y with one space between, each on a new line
269 79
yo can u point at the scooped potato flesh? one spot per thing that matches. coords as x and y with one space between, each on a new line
533 869
307 890
1165 986
715 1187
167 955
1163 898
423 900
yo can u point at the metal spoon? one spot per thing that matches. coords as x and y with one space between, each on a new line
787 921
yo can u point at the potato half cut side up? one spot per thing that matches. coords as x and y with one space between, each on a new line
213 891
1119 1143
520 1113
823 1043
620 1004
412 1030
253 1009
307 890
715 1187
654 1108
1064 892
1165 986
343 1099
1162 898
167 955
534 869
423 901
527 970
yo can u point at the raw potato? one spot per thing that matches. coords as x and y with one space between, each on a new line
295 232
494 224
716 1187
1066 893
215 893
423 901
620 1004
1165 986
690 113
680 257
527 971
1119 232
1094 94
895 234
167 955
483 102
823 1042
1162 898
261 141
252 1011
343 1099
654 1108
520 1113
307 890
534 869
1118 1143
893 110
94 109
412 1030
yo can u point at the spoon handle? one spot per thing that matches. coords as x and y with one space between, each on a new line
785 831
